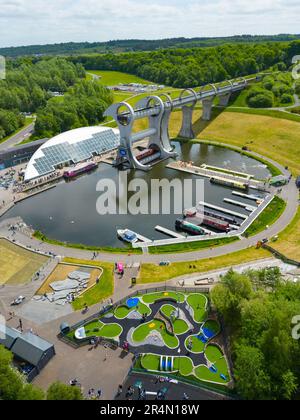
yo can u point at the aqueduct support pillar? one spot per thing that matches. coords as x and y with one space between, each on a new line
224 100
207 109
186 130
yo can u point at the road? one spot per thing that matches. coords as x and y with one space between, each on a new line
18 137
289 193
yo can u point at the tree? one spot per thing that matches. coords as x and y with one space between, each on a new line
229 294
13 385
62 392
289 385
253 383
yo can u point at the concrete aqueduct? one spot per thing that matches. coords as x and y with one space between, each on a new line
158 110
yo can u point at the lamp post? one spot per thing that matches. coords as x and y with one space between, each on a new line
179 364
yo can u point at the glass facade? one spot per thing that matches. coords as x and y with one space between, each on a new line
66 153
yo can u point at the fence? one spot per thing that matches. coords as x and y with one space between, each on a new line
282 257
105 309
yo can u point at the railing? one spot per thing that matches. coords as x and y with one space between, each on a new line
80 343
281 256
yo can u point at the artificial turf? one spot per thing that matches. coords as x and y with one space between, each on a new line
98 329
153 297
198 303
197 345
142 332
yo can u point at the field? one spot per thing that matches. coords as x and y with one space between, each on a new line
289 240
17 265
251 130
151 273
268 217
112 78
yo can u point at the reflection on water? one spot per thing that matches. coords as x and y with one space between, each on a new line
68 212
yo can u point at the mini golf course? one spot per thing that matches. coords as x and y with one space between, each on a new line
172 332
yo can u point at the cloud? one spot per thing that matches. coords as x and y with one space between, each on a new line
37 21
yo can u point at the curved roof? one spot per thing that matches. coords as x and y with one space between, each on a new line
71 147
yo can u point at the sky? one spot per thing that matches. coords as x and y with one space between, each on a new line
27 22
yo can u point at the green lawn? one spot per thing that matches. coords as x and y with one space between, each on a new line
167 310
180 327
153 297
123 311
98 329
203 373
100 291
153 273
213 353
198 303
142 332
198 346
268 217
183 365
111 78
191 246
151 362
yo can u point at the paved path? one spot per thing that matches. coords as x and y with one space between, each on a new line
289 193
18 138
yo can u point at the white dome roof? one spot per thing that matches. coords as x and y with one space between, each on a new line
97 139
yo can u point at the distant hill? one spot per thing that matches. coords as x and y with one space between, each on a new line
75 48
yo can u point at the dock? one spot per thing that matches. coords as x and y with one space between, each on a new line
142 238
240 204
248 196
203 171
223 210
169 232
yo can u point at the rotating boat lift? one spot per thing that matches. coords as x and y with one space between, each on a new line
158 110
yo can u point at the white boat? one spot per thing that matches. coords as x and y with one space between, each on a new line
128 236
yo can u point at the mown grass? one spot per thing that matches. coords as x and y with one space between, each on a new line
112 78
191 246
289 240
151 273
41 237
268 217
268 133
99 292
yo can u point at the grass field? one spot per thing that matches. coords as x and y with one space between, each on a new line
268 217
151 273
289 240
191 246
17 265
101 291
276 138
112 78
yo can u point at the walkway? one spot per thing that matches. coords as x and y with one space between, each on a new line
289 193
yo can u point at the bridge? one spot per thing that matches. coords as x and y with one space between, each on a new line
158 110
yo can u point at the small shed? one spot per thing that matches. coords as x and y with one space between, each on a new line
33 350
8 336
